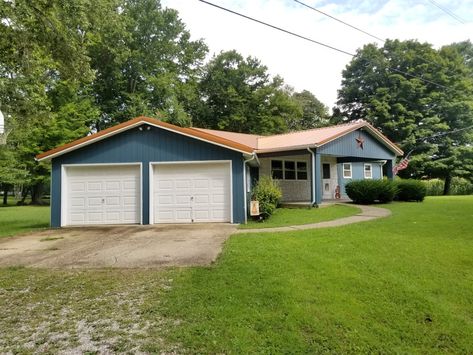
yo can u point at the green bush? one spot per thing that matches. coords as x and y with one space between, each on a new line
434 187
411 190
370 191
268 193
461 186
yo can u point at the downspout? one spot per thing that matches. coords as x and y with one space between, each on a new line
313 202
253 157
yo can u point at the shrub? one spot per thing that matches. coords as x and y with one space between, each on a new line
434 187
268 193
461 186
411 190
369 191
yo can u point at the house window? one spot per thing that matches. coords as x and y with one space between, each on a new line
325 171
276 169
289 170
368 171
347 170
301 170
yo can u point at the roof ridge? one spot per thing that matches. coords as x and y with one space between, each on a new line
221 130
315 129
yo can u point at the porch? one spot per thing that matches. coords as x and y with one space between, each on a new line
308 178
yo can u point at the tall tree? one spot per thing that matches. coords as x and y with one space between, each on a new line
44 49
314 112
410 108
145 63
237 94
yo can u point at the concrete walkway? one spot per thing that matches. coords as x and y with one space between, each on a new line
367 213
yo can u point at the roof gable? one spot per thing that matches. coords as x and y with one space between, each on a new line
189 132
240 142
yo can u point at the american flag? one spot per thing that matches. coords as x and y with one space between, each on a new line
401 166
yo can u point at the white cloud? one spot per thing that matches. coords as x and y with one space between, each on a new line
307 66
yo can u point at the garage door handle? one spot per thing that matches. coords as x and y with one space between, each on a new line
192 198
103 200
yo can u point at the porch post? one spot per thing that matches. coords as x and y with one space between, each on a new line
317 169
389 168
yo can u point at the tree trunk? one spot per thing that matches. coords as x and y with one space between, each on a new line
448 183
5 195
37 194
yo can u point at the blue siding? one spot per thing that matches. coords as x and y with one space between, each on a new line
155 145
346 146
357 173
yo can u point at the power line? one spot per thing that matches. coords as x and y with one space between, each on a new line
341 21
441 134
447 11
362 31
319 43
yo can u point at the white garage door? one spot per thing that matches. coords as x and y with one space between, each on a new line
102 195
191 193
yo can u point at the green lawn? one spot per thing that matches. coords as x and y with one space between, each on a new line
21 219
402 284
295 216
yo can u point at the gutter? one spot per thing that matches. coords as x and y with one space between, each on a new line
253 157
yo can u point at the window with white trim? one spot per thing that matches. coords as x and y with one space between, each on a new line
289 170
347 170
368 171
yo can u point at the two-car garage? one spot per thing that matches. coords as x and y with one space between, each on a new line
179 193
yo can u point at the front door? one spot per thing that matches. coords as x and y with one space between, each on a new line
327 187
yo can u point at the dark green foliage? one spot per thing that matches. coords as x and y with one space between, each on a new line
314 113
268 193
370 191
410 111
411 190
237 94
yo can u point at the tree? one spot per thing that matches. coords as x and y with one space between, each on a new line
410 108
237 94
44 50
315 113
145 63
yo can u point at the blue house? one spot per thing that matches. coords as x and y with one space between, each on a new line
145 171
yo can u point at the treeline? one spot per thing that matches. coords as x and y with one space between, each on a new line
68 68
71 67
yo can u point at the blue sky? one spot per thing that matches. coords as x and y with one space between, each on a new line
307 66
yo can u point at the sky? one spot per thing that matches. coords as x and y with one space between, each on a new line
304 65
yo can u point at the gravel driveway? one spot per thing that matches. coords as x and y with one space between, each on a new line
117 246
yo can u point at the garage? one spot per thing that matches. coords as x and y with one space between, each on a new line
192 192
101 194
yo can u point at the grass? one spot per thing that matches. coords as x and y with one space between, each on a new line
402 284
294 216
21 219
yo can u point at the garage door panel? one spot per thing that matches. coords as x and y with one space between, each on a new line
77 187
103 195
202 199
189 192
94 201
94 186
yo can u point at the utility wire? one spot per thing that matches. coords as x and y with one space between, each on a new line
441 134
341 21
447 11
320 43
360 30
